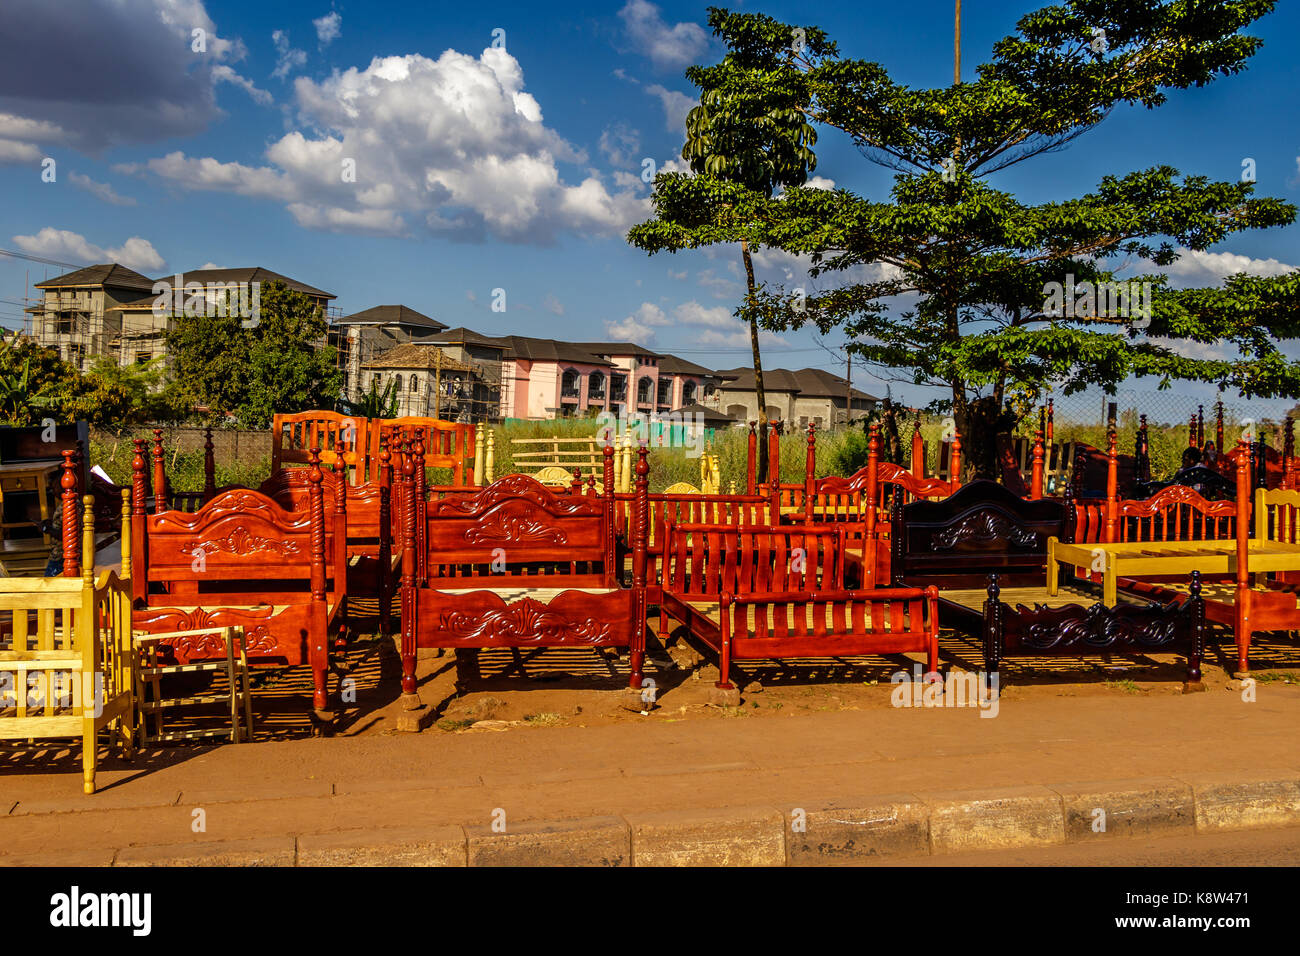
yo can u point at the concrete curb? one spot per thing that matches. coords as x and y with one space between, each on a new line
844 831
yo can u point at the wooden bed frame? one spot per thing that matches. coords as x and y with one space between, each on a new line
778 592
517 564
986 549
244 560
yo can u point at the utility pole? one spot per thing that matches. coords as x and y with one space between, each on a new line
956 46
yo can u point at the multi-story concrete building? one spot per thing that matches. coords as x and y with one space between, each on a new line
362 337
803 396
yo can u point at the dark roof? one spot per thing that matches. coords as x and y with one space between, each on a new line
416 355
550 350
709 415
248 274
679 366
463 336
617 348
811 382
391 315
108 274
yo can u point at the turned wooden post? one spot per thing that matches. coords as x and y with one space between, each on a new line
1191 430
873 483
1288 453
127 557
1142 453
1051 428
612 572
1112 488
751 459
575 485
385 537
1241 623
88 540
954 462
774 455
71 531
1200 426
159 474
918 449
318 641
810 473
491 460
421 526
1036 476
1078 473
408 574
1218 426
139 495
639 562
209 466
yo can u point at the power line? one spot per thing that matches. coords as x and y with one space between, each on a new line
41 259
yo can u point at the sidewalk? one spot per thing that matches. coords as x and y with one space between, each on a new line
908 781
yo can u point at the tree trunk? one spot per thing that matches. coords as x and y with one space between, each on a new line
758 361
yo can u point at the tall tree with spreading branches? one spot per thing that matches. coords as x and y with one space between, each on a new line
954 279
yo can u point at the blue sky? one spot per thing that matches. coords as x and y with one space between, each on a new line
515 168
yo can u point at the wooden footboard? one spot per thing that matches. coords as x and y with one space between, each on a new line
521 617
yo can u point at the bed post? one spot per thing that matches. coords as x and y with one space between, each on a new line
1200 426
1241 624
1288 452
810 474
385 538
613 574
71 517
159 474
1078 472
1191 430
1112 488
1036 476
341 534
575 485
751 458
139 579
318 638
637 650
873 486
209 466
1051 426
918 448
1218 426
994 626
1196 634
954 462
417 502
774 465
410 699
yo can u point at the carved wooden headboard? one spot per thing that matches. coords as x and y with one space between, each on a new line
982 528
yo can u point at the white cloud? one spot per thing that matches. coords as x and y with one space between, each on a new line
621 145
553 305
102 190
667 47
328 27
676 106
287 58
135 253
209 265
1201 268
455 143
129 73
225 74
819 182
12 151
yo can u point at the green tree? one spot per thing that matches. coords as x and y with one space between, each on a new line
975 262
253 369
748 132
34 381
376 403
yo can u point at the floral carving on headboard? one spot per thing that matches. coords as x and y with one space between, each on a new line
983 528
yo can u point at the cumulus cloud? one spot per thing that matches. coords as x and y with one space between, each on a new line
553 305
100 190
94 73
621 145
713 325
455 146
136 253
328 27
12 151
225 74
667 47
287 58
1203 268
676 106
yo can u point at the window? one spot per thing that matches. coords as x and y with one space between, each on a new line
143 358
596 386
569 383
399 383
643 387
415 383
618 387
665 391
688 393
